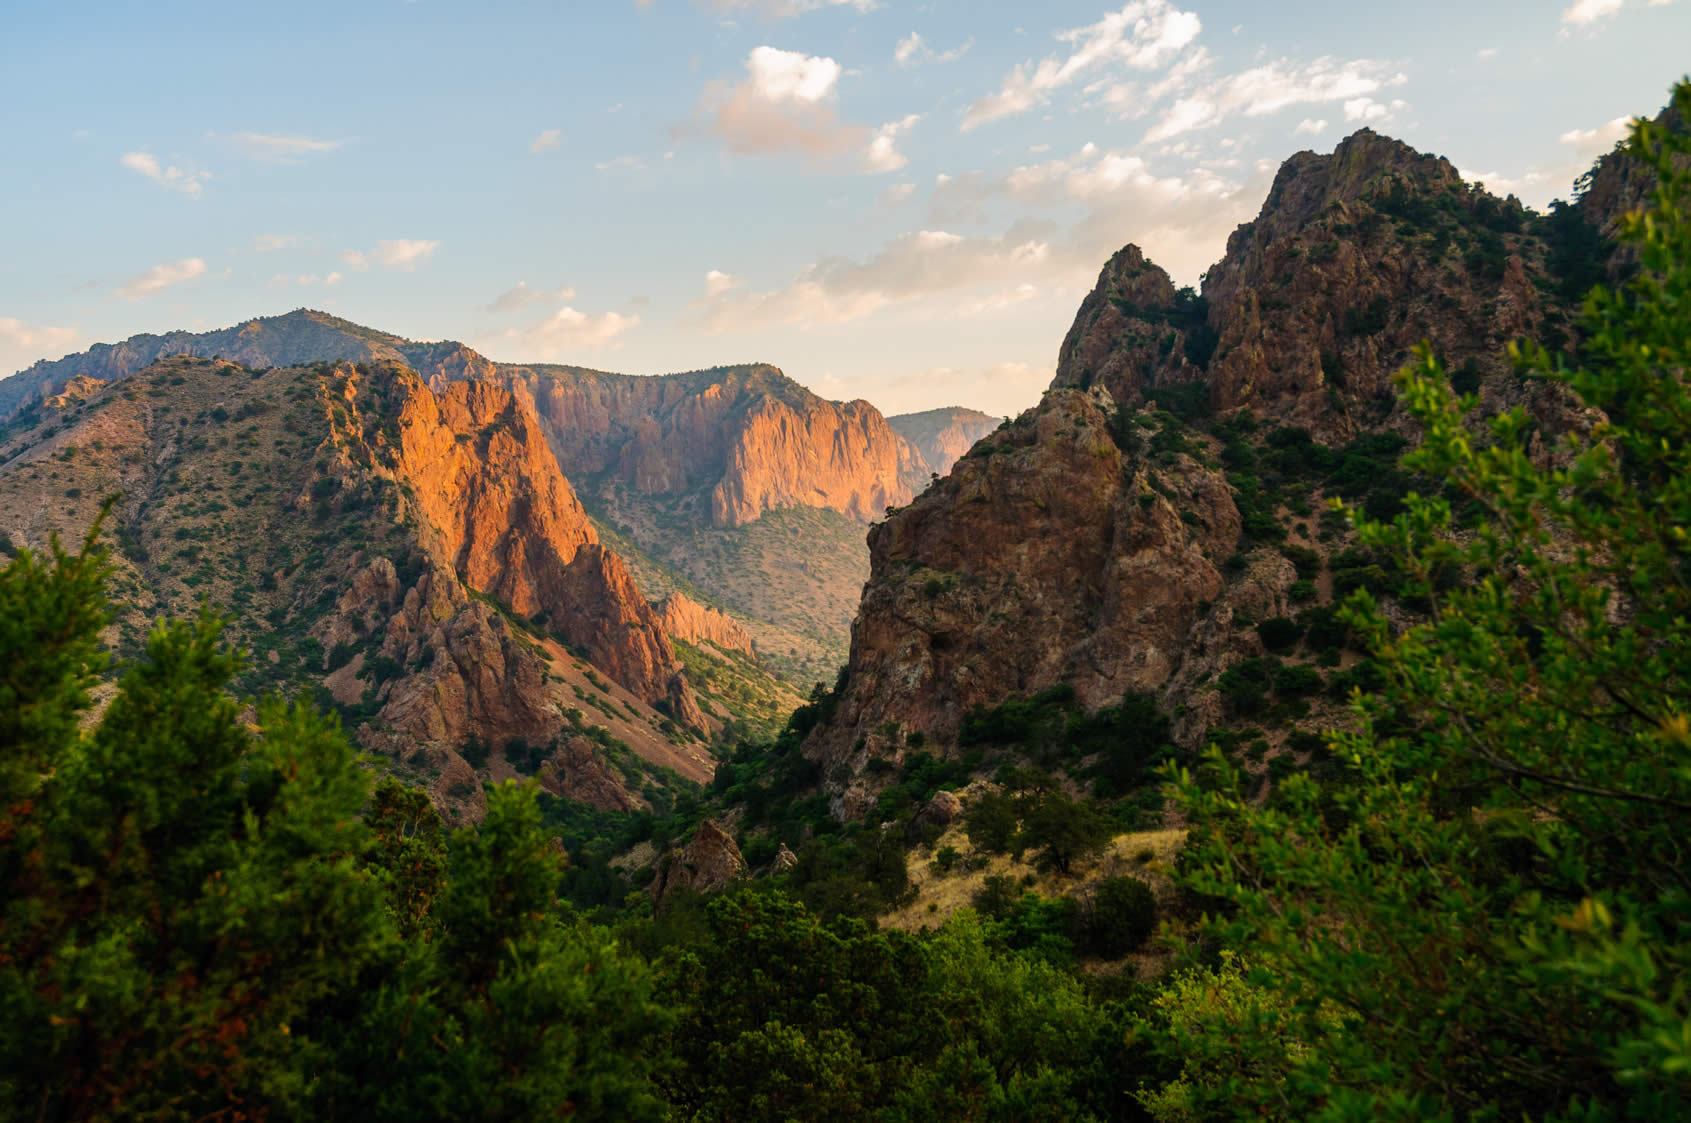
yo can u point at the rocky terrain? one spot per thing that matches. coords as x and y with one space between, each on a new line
735 485
414 559
686 619
1154 529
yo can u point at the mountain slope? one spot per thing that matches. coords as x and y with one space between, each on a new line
686 465
414 558
1150 530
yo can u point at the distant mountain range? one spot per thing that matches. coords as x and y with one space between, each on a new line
735 485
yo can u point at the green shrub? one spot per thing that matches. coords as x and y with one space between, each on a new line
1122 917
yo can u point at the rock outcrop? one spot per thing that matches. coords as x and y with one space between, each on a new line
686 619
1095 543
1047 556
484 479
708 862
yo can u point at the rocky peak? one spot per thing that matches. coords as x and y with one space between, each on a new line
1103 544
1134 331
710 861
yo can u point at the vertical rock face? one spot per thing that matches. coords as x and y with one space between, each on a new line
1083 544
484 479
687 619
1045 557
746 439
940 436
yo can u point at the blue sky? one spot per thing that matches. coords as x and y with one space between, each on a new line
897 200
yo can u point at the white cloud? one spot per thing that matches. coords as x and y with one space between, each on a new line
881 155
547 140
621 164
22 344
717 282
1143 35
786 105
354 260
568 330
1364 109
332 279
1591 143
1589 11
189 183
1310 127
778 75
1272 87
1486 53
269 243
404 253
913 50
520 296
161 277
282 149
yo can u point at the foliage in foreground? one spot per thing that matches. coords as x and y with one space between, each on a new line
1490 919
197 920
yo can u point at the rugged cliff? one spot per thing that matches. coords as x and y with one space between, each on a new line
686 470
1152 529
416 560
687 619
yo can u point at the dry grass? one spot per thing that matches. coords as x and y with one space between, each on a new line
949 892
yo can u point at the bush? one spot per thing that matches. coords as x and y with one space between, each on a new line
1123 916
1297 680
990 822
1279 634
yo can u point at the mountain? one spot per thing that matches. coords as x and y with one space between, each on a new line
414 558
1151 538
735 486
940 436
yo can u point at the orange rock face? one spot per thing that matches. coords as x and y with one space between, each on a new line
687 619
744 439
512 527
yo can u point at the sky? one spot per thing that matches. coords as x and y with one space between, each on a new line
897 200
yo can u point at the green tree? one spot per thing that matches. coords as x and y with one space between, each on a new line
178 891
1489 918
196 921
990 821
504 1012
1063 830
